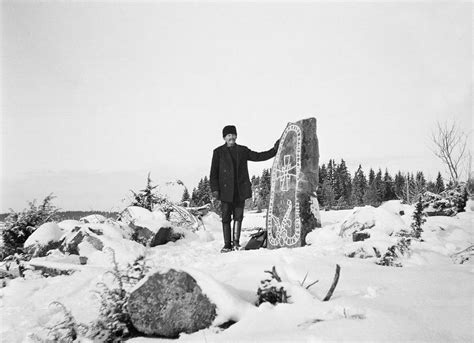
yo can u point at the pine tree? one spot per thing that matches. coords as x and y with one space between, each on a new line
439 183
185 196
388 185
359 186
399 185
431 187
327 194
344 185
146 198
372 194
420 182
418 219
195 197
265 186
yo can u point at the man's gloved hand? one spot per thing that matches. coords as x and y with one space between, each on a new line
215 194
277 143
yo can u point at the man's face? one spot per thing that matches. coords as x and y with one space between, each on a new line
230 139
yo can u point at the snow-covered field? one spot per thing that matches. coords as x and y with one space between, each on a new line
430 299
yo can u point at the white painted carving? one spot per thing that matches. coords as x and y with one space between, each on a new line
285 172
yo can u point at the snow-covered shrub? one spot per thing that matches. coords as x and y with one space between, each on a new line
67 330
447 203
114 322
270 290
398 250
20 225
146 198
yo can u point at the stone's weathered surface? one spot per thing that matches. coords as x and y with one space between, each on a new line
170 303
71 242
165 235
294 210
141 234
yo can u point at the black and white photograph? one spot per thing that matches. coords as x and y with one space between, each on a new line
236 171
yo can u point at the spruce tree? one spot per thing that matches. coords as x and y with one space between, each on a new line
344 185
439 183
185 196
359 186
327 194
418 219
265 186
399 185
388 185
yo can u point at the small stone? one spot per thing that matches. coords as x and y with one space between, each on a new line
360 236
165 235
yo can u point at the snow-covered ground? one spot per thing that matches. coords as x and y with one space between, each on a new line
430 299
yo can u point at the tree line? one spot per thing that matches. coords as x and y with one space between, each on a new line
337 188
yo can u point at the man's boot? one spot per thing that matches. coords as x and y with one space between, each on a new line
236 234
227 239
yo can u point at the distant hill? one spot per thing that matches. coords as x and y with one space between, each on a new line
74 214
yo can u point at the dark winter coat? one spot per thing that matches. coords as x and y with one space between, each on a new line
222 171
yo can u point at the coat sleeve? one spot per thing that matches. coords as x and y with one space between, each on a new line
261 156
214 177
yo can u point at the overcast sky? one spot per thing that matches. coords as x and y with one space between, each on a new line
94 95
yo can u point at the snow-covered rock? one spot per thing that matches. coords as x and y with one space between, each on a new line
374 221
137 213
44 238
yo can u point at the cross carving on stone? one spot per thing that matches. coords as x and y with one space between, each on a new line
285 175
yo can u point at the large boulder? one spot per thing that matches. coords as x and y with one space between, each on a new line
167 304
44 238
293 209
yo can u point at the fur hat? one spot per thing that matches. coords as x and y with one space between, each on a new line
229 129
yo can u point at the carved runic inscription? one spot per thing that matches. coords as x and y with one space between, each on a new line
283 221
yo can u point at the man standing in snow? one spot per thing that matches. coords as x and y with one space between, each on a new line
230 182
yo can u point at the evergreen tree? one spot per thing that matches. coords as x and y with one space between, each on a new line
371 176
399 185
146 198
327 194
379 187
206 193
185 196
431 187
420 182
372 195
322 177
323 174
418 219
388 185
439 183
344 185
265 186
359 186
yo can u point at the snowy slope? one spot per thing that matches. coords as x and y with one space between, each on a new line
429 299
